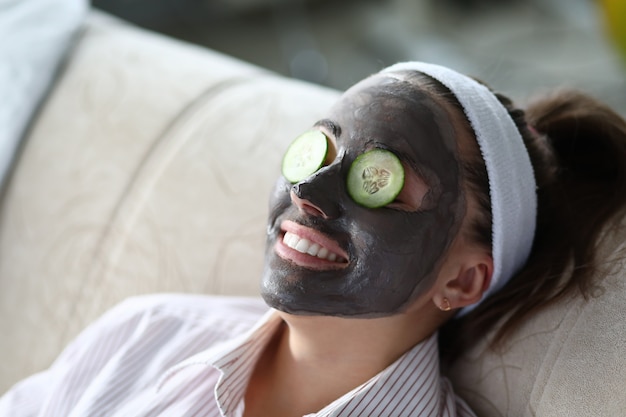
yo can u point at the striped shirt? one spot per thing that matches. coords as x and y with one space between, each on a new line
186 355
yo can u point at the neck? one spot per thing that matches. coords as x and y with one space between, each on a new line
314 360
355 346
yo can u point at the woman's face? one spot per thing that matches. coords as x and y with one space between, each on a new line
384 258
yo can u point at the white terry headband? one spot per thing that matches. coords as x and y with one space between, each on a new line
511 179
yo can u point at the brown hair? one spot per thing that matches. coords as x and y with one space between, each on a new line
577 147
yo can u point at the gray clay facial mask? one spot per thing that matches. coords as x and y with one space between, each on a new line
364 262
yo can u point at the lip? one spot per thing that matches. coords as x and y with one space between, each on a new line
306 260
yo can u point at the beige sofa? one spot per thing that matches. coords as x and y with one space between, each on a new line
148 170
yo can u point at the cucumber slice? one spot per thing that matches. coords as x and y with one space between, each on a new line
305 155
375 178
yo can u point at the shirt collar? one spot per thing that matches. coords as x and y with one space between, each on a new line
413 378
235 359
236 362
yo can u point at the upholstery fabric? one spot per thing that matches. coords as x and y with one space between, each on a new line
566 361
148 170
34 37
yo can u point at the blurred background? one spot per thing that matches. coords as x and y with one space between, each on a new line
520 47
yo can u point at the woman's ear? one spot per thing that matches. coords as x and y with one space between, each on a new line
467 285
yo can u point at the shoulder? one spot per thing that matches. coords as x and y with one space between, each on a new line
134 343
172 326
157 321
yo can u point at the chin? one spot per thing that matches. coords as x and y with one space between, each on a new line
290 298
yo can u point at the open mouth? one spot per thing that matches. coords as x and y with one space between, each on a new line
309 248
304 245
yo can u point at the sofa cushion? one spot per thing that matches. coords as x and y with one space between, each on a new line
34 38
148 170
567 360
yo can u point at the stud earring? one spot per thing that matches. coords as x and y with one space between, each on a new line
445 305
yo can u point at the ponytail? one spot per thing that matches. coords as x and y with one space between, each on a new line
577 147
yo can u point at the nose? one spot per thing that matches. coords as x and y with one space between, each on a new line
306 206
317 196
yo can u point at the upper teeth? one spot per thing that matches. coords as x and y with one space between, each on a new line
306 246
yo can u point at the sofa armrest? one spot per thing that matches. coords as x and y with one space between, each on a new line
147 170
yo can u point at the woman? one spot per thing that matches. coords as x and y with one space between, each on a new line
411 203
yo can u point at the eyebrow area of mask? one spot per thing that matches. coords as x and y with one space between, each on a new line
330 126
